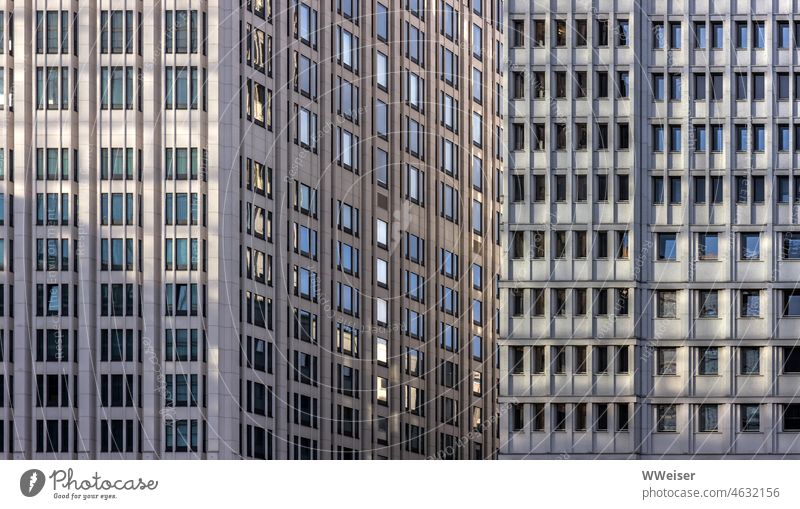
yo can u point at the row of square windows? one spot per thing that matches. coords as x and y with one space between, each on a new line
664 137
743 34
746 189
662 86
605 301
706 245
705 417
610 359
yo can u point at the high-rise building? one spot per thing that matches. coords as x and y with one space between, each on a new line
261 229
651 230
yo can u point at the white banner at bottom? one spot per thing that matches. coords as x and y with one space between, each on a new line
401 484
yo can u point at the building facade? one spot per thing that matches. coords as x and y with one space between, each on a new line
261 229
651 230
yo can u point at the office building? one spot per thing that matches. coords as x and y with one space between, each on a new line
261 229
651 231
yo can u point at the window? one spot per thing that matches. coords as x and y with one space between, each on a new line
750 246
581 188
477 312
305 81
666 418
717 35
675 87
381 119
185 88
601 416
784 35
382 272
305 25
602 136
415 88
749 360
741 35
382 22
783 146
518 136
791 360
708 361
477 37
181 30
449 22
749 418
305 128
415 40
750 303
477 217
602 84
665 304
477 347
674 138
666 361
782 184
602 32
658 190
783 87
623 84
622 32
658 138
791 303
700 35
560 244
53 88
708 305
741 86
667 246
658 34
381 167
382 73
699 87
347 149
791 246
759 35
580 359
758 87
707 420
477 129
561 136
674 190
622 244
675 35
518 33
716 189
791 417
580 28
623 136
658 87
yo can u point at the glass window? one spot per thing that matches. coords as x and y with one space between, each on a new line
708 304
666 418
749 360
667 246
666 358
707 418
666 304
708 362
382 22
750 248
749 416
